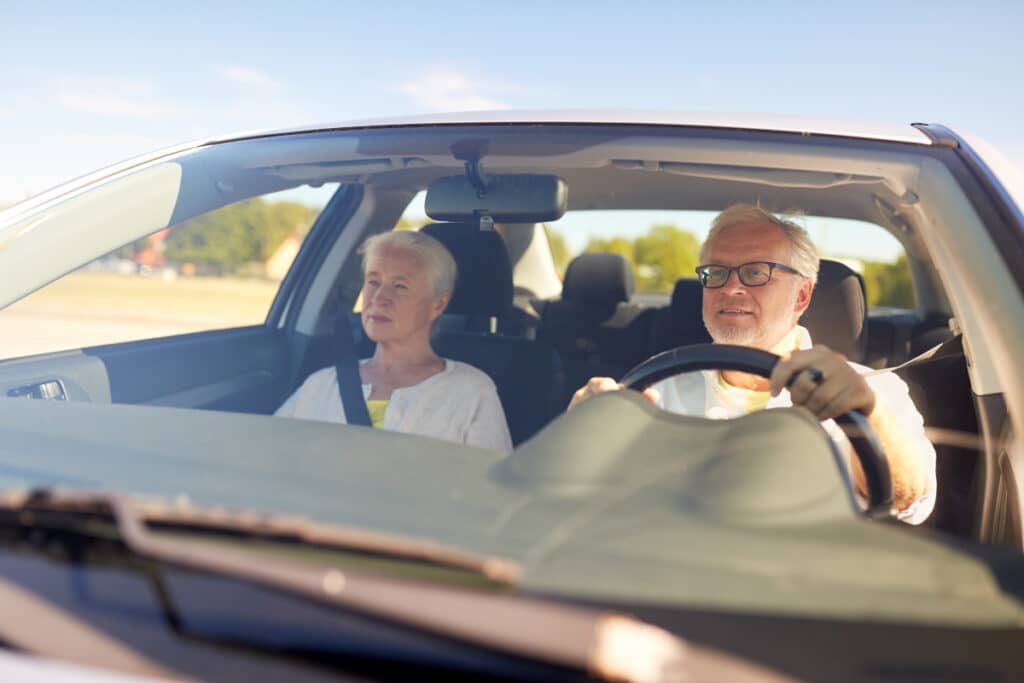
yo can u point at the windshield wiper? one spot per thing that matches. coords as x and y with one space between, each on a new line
602 644
134 515
34 625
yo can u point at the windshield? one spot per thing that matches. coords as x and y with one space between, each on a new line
386 328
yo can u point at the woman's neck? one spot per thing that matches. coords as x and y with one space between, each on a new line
403 358
395 366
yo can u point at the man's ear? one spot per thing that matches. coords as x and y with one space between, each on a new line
803 297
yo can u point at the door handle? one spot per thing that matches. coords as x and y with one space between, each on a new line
51 390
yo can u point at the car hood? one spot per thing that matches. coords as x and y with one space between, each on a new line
587 512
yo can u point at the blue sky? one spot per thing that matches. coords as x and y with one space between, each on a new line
85 85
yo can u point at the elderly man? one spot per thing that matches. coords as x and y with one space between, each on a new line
758 274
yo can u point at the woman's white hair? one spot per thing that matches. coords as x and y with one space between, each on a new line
435 256
804 255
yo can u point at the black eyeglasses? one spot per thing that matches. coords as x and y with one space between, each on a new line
753 274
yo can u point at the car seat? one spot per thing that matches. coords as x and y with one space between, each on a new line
681 323
481 327
594 327
838 314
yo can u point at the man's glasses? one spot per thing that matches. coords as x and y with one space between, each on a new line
753 274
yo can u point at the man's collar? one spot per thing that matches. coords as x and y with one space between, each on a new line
796 339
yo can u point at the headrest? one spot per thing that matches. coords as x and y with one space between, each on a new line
483 286
838 314
688 299
687 313
598 280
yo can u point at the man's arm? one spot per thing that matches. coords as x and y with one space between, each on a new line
883 400
906 462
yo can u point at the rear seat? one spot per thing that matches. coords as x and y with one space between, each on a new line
681 323
594 328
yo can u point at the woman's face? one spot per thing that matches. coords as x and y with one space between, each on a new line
398 297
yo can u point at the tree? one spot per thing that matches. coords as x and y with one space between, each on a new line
664 255
659 257
889 284
614 245
244 232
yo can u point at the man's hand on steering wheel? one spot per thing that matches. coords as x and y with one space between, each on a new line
877 478
822 381
600 385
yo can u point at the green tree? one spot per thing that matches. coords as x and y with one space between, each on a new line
244 232
889 284
663 255
659 257
613 245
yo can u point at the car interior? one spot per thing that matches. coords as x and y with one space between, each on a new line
540 346
540 352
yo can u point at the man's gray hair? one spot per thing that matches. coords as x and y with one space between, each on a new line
436 258
804 255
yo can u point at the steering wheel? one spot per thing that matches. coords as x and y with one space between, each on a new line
866 445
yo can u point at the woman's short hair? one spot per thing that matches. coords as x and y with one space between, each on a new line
435 256
805 256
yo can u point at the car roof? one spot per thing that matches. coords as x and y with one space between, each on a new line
804 125
808 126
801 125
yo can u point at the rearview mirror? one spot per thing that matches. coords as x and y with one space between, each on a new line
508 198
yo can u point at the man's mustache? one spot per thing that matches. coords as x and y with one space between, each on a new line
740 305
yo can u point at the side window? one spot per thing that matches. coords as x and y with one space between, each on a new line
218 270
872 251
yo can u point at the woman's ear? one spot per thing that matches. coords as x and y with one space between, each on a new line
438 305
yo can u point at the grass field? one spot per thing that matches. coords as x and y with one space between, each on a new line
87 308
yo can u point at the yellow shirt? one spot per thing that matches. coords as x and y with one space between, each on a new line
376 408
740 401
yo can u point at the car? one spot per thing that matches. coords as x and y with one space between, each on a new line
158 521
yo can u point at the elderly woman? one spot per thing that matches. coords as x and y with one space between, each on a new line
407 281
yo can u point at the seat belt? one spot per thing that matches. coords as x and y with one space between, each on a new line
950 346
346 367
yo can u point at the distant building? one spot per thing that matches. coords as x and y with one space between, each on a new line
152 256
149 257
281 260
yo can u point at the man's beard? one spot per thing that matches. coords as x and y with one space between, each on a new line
732 334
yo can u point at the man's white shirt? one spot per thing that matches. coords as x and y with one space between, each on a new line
704 394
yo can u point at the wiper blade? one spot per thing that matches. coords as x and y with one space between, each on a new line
133 514
605 645
33 625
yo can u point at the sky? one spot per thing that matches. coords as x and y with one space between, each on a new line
84 85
